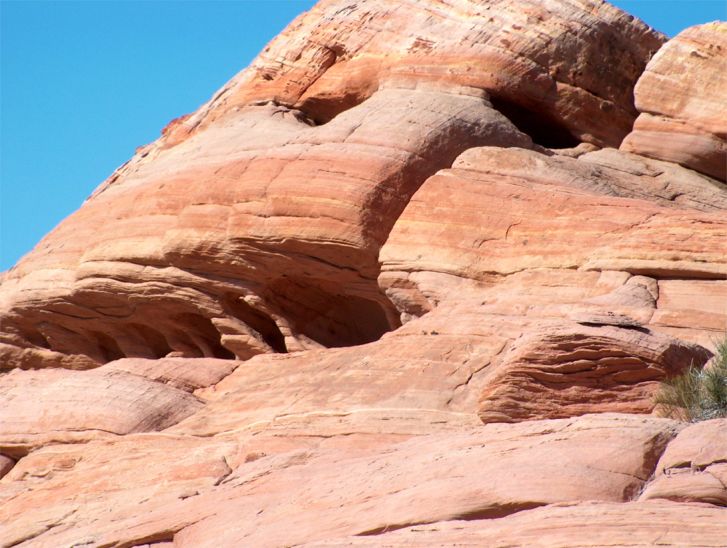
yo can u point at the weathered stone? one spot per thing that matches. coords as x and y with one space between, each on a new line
60 406
6 464
539 60
286 320
207 243
185 374
216 249
683 118
575 369
79 494
694 466
584 525
497 213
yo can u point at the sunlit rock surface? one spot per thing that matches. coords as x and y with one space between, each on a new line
410 279
681 97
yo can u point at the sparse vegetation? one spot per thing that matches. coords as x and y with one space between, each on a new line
698 394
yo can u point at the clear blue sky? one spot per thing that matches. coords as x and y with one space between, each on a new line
85 82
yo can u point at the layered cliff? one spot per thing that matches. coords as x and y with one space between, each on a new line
420 263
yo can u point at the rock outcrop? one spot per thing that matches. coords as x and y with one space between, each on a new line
200 485
410 279
694 468
608 524
681 98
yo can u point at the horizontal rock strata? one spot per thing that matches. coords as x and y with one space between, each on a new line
398 283
694 469
681 97
565 371
208 483
633 524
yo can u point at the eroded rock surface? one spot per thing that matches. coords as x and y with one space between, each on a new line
402 221
633 524
254 225
322 490
576 368
694 468
57 406
681 97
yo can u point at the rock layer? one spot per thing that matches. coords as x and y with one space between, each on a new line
694 468
575 368
78 406
681 97
634 524
322 491
300 304
362 101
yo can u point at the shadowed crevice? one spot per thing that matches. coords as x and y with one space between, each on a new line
495 512
325 313
541 127
257 320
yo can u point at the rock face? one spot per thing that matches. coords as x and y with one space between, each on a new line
681 97
399 282
608 524
695 466
566 371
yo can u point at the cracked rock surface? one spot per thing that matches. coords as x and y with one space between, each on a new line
412 278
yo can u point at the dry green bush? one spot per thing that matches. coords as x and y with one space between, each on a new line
698 394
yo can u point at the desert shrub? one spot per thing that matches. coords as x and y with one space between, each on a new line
698 394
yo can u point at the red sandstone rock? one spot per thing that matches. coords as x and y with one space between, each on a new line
694 466
193 489
682 96
384 166
6 464
577 368
187 375
247 260
583 525
534 219
49 494
544 59
58 406
207 244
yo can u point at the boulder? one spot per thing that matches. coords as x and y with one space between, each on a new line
681 97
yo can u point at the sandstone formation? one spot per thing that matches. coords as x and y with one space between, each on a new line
113 403
400 282
207 244
323 490
681 98
694 468
608 524
569 370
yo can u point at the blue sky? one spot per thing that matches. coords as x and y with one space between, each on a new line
83 83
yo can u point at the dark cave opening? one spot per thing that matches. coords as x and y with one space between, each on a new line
333 319
152 340
542 128
323 110
108 348
257 320
203 332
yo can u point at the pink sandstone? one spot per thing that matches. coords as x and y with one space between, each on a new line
410 279
694 467
192 488
614 525
681 97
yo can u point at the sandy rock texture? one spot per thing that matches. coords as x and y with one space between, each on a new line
254 225
323 489
681 97
695 466
632 524
412 278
